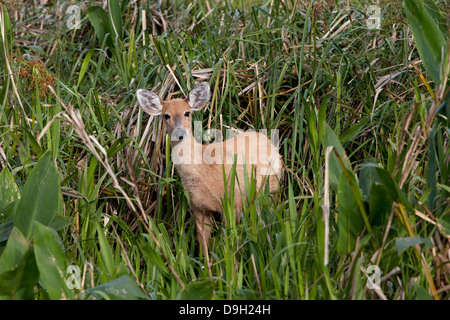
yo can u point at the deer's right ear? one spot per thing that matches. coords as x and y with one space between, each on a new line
149 102
199 96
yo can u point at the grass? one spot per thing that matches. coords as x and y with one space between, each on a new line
311 69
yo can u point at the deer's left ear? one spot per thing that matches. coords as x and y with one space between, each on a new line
149 102
199 96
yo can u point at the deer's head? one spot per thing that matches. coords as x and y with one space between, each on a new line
177 112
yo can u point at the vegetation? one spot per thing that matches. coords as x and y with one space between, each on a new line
90 203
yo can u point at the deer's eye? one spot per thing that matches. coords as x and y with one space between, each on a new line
167 116
187 114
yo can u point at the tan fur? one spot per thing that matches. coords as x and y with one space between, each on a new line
202 176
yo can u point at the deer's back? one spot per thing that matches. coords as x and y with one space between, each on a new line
252 151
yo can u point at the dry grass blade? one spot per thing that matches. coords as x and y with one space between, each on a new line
375 287
326 204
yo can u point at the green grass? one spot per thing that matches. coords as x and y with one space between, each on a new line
315 72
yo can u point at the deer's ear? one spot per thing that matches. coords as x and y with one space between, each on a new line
199 96
149 102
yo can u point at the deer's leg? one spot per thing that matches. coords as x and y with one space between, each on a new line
203 224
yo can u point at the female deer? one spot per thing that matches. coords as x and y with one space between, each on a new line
201 166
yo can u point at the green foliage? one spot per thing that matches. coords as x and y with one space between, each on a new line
18 270
92 208
40 198
9 192
122 288
51 262
431 44
108 26
197 290
433 47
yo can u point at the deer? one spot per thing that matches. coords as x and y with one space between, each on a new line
201 167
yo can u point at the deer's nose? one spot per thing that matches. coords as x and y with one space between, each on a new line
179 134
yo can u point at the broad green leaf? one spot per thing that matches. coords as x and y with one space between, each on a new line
19 282
197 290
444 221
121 288
5 230
106 252
31 138
38 49
7 20
402 244
51 262
84 66
100 21
389 184
59 222
18 271
9 192
330 139
367 176
117 145
116 19
15 248
353 130
350 221
379 205
357 287
422 293
428 38
392 190
41 196
437 15
154 257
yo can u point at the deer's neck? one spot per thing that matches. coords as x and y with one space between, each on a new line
187 153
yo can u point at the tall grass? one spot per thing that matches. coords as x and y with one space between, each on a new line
363 134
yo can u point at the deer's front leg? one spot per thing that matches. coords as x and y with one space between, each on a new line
203 224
